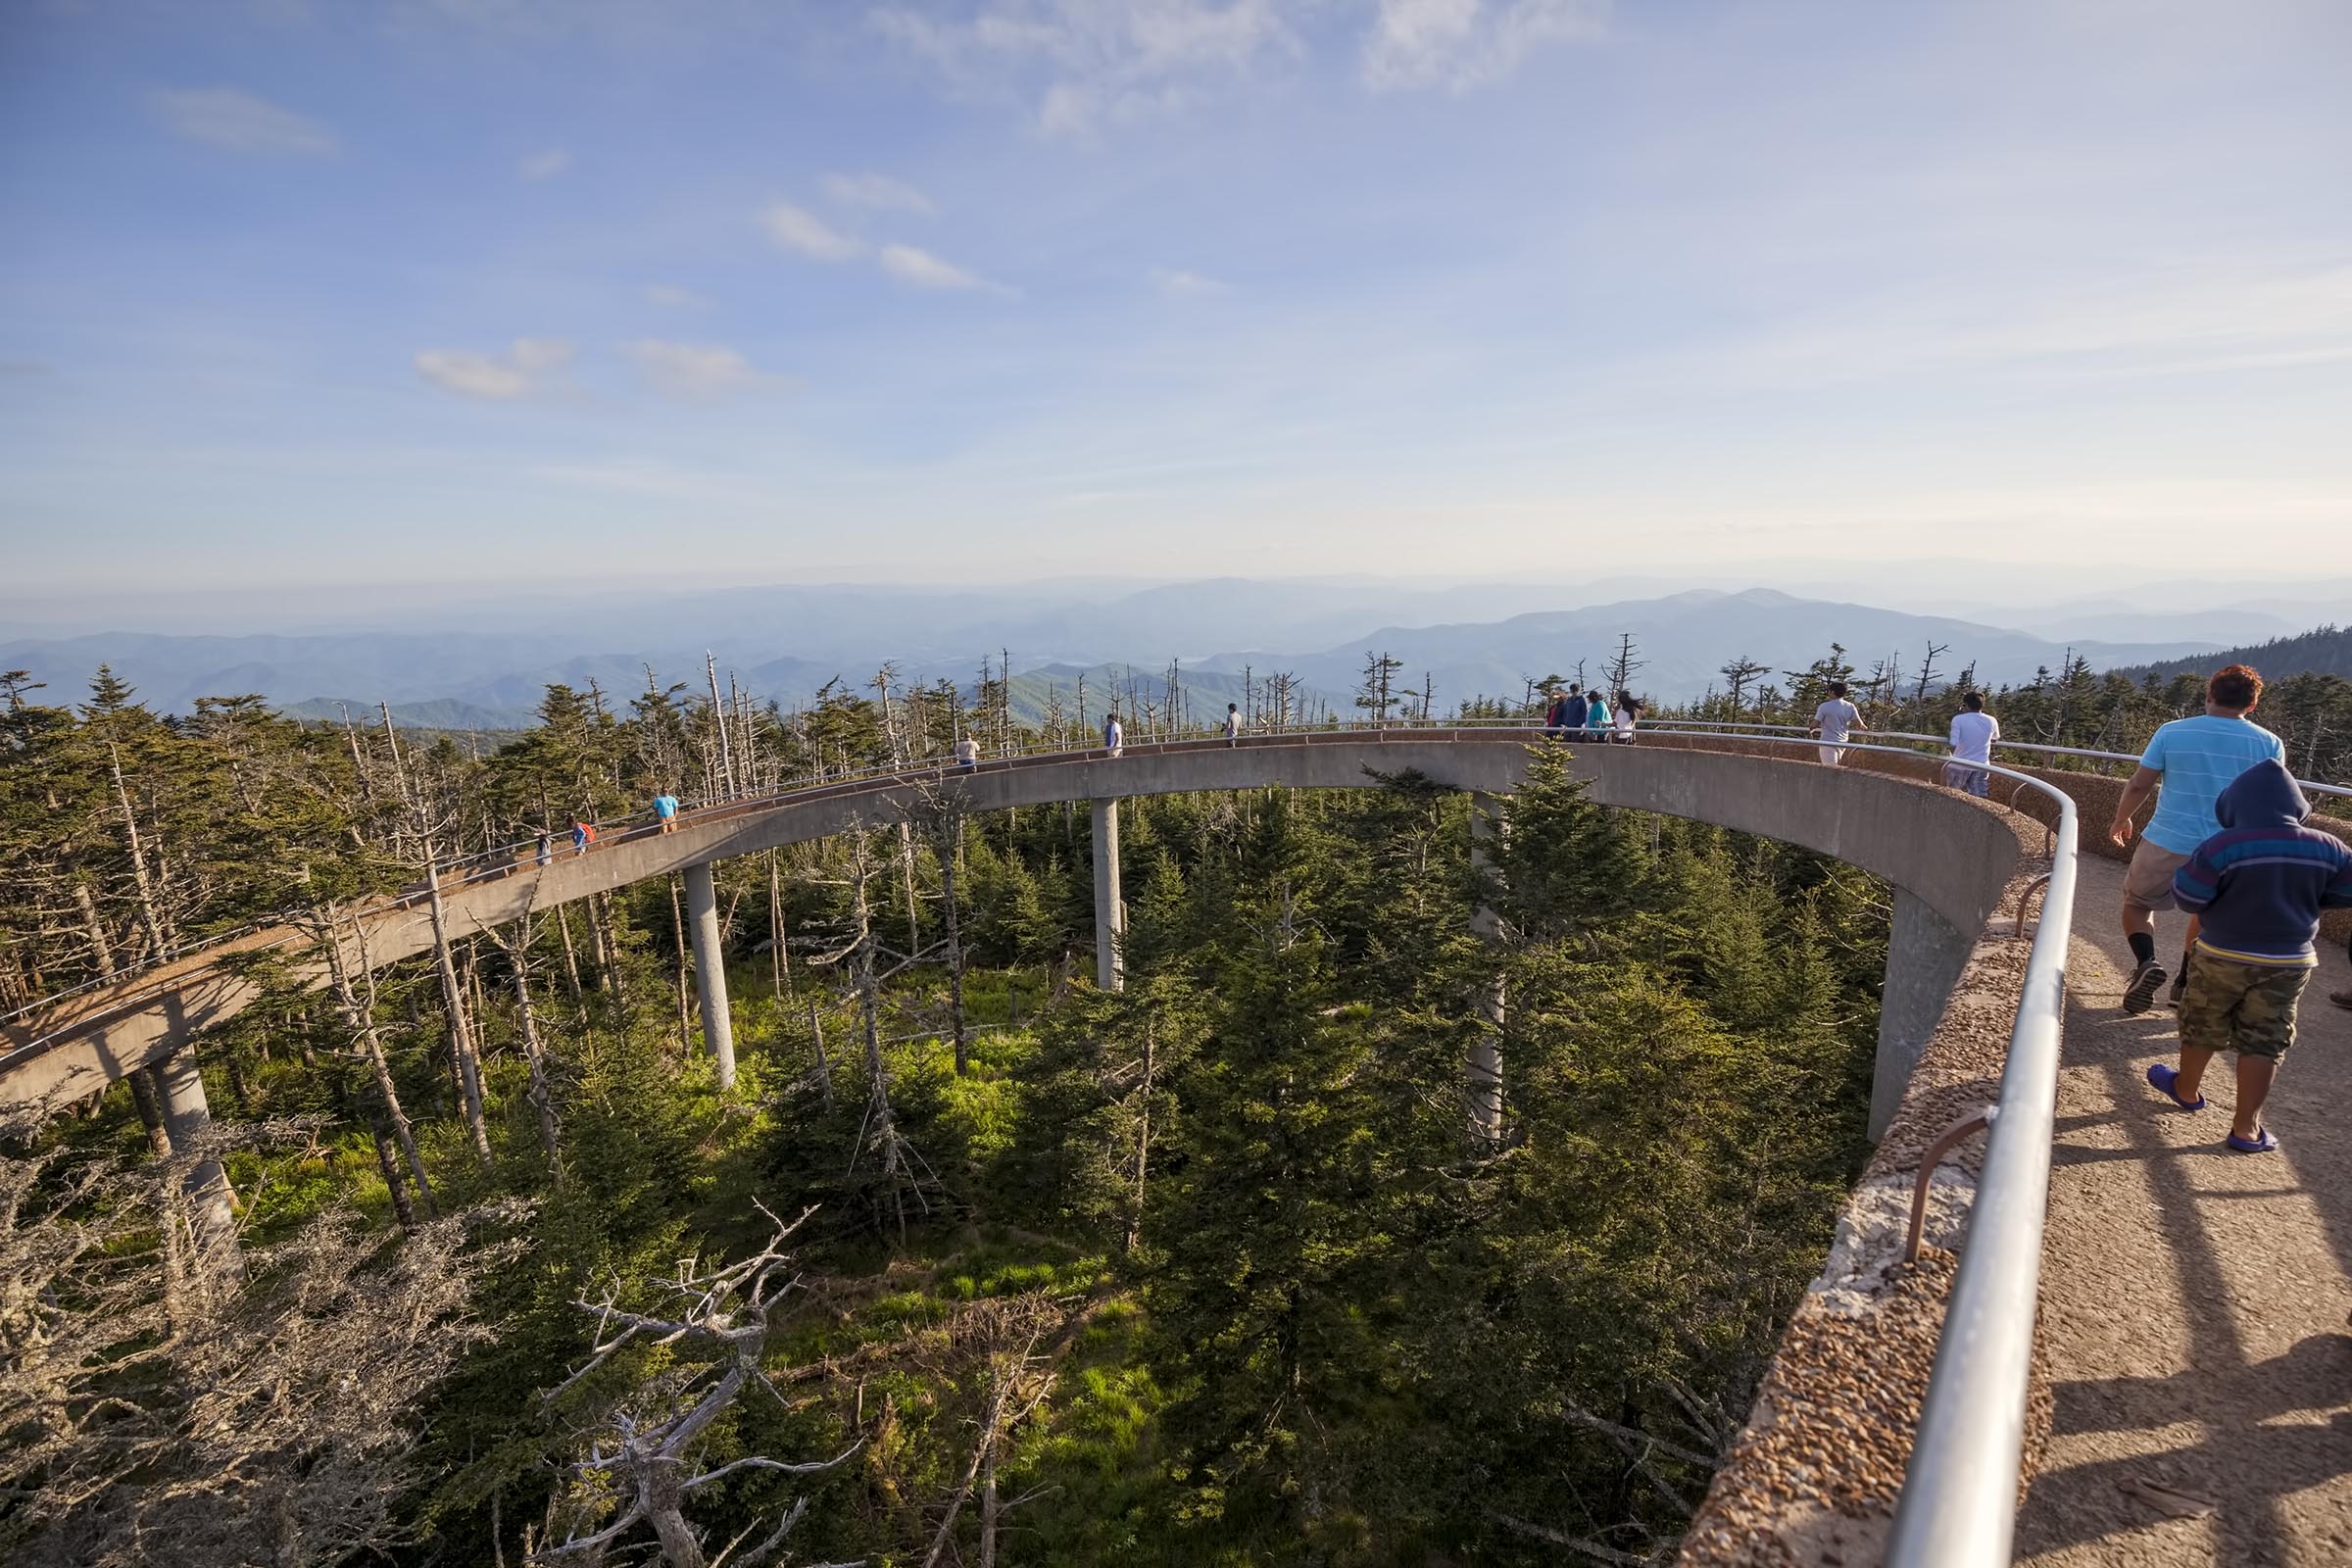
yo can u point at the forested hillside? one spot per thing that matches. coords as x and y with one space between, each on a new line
975 1262
2324 651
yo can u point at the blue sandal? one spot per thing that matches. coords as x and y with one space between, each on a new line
2164 1077
2261 1143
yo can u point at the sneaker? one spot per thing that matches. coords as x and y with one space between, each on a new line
2342 998
2140 994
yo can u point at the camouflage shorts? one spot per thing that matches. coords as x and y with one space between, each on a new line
2248 1007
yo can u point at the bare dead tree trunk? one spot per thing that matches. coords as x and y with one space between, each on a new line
149 915
824 1068
388 1163
540 1094
94 928
779 961
678 923
461 1024
360 1018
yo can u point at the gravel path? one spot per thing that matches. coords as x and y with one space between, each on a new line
2194 1302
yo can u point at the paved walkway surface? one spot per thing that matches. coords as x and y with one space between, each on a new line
2194 1302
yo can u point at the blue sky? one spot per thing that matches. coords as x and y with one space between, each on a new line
428 289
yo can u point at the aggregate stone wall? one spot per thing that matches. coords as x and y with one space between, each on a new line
1813 1478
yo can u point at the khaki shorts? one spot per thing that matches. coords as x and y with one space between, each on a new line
2246 1007
2148 884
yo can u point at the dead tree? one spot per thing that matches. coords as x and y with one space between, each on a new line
1019 1375
267 1423
939 813
641 1450
517 950
423 828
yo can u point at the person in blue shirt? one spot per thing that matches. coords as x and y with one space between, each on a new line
1597 716
2187 764
2258 886
665 807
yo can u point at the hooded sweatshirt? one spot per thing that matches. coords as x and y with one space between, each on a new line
2261 882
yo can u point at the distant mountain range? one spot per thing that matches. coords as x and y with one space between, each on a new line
786 643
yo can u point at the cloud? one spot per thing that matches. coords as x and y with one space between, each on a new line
922 270
802 232
692 373
529 366
879 193
1077 65
544 164
1177 283
224 117
671 297
1461 44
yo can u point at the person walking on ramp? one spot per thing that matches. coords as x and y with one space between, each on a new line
1832 721
2193 760
1973 731
665 808
2259 885
1114 739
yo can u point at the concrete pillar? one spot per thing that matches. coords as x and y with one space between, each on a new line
1483 1075
711 970
1110 910
187 1116
1923 959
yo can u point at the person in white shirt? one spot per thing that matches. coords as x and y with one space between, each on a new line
1832 722
967 753
1629 714
1973 731
1233 723
1113 737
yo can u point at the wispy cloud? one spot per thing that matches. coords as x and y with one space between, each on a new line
799 230
922 270
225 116
544 164
529 366
692 373
879 193
1460 44
1177 283
1077 65
670 297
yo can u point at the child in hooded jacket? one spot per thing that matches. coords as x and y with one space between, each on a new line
2258 887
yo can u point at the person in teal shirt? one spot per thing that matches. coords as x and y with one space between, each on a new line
2186 765
1597 716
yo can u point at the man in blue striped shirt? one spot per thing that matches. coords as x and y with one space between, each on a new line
2187 764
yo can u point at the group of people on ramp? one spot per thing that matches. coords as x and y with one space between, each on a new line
2229 844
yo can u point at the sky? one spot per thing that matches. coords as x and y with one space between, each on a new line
298 295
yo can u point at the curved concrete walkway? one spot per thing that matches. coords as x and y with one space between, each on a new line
1946 854
2193 1301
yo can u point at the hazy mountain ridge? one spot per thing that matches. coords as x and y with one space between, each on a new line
788 643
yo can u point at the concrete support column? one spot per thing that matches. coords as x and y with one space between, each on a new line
1923 959
1110 910
187 1116
711 970
1483 1075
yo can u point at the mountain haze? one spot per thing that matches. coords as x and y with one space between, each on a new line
786 643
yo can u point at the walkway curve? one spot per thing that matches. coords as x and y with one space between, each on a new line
1951 853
